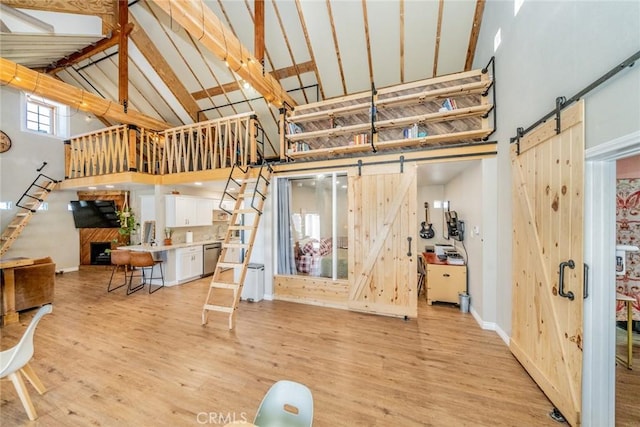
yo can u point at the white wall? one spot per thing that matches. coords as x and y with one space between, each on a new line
50 233
464 192
553 49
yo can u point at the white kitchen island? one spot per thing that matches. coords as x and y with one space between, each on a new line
181 262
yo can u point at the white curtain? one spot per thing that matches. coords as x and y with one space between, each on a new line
286 259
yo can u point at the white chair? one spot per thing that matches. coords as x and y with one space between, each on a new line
16 360
287 403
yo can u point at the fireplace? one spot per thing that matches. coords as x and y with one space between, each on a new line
100 253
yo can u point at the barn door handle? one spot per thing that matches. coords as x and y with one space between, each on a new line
561 292
585 293
409 240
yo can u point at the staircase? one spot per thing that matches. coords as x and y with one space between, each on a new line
28 203
248 188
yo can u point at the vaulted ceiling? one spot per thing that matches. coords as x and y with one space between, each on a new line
278 51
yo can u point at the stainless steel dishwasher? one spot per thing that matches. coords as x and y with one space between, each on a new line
210 254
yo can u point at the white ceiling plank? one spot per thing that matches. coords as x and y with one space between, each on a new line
162 31
349 23
457 20
317 20
158 93
293 28
384 35
420 23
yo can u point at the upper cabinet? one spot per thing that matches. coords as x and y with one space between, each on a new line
443 110
188 211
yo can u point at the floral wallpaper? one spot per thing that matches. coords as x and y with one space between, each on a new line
628 233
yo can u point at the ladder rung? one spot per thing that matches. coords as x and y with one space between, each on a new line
221 285
222 264
235 245
240 227
245 211
221 308
23 213
13 226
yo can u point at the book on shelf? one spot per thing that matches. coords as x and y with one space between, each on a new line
360 139
449 104
293 128
297 147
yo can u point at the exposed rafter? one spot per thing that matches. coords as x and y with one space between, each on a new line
258 24
203 25
151 53
88 51
123 55
475 33
436 53
23 78
282 73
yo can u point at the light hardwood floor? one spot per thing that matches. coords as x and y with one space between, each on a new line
117 360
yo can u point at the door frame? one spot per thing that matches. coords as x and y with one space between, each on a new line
599 376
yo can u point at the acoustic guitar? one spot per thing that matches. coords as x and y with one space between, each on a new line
427 228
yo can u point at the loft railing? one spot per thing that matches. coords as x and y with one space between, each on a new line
214 144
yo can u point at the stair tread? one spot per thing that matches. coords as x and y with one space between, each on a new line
222 285
223 264
234 245
222 308
240 227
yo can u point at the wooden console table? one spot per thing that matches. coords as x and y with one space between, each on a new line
627 301
7 266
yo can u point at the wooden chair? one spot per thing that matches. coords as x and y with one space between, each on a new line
15 361
143 261
119 258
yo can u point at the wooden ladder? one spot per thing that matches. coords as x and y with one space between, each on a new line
28 204
248 188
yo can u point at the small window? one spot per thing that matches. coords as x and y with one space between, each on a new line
40 117
5 206
497 39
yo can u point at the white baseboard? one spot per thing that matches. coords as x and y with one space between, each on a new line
502 334
490 326
268 297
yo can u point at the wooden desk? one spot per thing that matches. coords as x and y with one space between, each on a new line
627 301
444 281
7 266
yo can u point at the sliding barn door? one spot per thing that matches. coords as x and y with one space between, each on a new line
547 338
382 240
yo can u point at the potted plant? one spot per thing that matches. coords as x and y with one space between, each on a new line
167 236
128 225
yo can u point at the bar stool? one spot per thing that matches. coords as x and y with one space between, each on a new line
119 258
144 260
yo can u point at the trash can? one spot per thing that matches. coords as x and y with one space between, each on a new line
464 302
253 289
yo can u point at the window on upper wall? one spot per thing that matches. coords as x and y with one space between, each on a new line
41 117
44 116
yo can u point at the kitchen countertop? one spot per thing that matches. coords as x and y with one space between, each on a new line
160 248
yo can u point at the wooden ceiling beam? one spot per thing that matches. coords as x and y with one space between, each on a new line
105 9
258 28
151 53
123 55
87 52
436 53
475 33
203 25
23 78
305 67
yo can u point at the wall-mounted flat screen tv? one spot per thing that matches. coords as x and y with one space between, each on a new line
94 214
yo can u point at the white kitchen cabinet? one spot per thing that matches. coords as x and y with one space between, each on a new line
188 211
189 263
204 211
